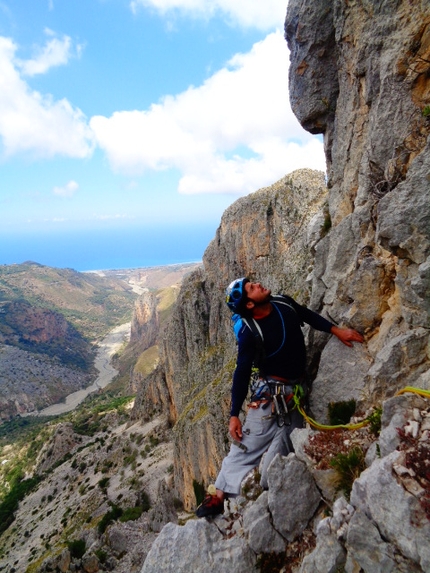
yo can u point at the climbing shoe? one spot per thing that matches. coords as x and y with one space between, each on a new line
211 505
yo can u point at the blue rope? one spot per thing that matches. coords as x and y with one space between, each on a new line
283 332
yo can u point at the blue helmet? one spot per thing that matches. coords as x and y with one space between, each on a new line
235 294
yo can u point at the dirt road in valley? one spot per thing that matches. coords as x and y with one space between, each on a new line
107 348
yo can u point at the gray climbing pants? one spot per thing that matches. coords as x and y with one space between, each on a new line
260 436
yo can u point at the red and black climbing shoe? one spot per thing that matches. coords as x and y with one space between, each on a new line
211 505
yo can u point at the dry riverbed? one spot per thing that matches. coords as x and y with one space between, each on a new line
107 348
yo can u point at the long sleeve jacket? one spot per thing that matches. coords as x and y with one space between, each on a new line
284 346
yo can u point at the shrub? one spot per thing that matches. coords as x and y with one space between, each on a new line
131 514
144 501
199 491
103 483
77 548
101 555
108 517
340 413
348 468
375 421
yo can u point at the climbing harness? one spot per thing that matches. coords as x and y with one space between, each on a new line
280 395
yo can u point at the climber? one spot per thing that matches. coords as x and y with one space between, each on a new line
282 359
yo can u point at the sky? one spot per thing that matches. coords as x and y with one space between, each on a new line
146 116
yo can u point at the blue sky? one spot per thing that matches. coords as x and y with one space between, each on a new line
149 114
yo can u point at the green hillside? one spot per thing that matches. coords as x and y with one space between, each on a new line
90 303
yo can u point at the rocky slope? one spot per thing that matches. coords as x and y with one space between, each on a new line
97 499
92 304
97 485
30 382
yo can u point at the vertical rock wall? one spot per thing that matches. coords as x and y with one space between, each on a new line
360 74
145 323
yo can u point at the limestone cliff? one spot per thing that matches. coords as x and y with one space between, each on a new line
145 323
359 74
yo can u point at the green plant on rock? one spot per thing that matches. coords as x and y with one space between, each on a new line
112 515
104 483
375 421
339 413
426 111
131 514
77 548
348 468
326 226
199 491
101 555
144 501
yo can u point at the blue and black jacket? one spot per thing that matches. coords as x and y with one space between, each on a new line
284 347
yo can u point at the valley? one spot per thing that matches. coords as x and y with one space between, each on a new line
102 363
75 459
52 323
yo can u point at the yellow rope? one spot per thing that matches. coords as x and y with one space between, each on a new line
419 391
325 427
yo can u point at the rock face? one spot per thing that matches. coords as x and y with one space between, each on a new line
145 323
359 75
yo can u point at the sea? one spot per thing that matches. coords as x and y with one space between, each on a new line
103 249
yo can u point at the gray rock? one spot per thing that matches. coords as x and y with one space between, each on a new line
395 413
404 216
299 439
396 513
341 376
257 524
198 547
324 479
400 361
327 557
366 548
293 495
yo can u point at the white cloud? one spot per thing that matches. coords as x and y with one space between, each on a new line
56 52
36 123
259 14
68 190
232 134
